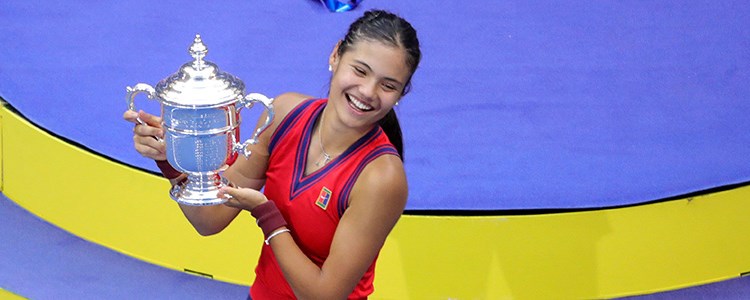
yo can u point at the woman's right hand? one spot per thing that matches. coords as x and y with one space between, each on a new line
147 138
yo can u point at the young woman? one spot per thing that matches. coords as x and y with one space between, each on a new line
334 180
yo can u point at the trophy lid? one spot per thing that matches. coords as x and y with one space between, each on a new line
200 83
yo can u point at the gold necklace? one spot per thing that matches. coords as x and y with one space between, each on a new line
326 157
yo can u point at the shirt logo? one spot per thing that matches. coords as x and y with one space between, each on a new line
325 196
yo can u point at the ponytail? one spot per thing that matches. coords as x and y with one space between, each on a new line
392 129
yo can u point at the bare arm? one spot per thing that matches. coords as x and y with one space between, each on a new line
246 173
377 201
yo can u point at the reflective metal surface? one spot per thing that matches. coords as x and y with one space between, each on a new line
200 110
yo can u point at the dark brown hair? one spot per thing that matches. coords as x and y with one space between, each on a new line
390 29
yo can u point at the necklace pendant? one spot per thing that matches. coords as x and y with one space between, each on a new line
326 159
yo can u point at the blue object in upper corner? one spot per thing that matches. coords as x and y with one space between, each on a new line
340 6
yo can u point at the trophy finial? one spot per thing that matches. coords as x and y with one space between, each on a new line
198 50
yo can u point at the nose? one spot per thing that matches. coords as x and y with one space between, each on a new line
369 89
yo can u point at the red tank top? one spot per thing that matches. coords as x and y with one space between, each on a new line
311 204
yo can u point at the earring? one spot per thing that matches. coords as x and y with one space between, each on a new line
397 103
330 68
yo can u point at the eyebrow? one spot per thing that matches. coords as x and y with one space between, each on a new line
370 68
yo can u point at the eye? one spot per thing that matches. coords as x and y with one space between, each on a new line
359 71
389 87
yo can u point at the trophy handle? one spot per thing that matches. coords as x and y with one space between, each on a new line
139 88
248 101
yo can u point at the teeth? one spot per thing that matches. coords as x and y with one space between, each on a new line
359 105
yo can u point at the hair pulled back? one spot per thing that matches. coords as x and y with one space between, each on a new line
389 29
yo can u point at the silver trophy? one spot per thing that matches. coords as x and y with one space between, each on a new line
200 109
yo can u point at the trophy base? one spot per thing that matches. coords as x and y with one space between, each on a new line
199 190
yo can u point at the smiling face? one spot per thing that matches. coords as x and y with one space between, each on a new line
368 79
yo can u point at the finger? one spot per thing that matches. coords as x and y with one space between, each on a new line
150 152
227 192
149 119
149 147
148 131
149 141
130 116
232 202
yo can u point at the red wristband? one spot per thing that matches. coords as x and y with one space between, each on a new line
268 217
167 170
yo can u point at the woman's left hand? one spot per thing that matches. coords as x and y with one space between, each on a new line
242 198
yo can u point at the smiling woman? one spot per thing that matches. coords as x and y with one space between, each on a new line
531 108
367 82
333 181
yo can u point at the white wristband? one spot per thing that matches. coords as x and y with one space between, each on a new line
275 233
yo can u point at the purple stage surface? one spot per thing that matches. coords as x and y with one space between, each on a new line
41 261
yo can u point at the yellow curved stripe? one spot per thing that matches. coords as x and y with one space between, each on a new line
117 206
584 255
6 295
594 254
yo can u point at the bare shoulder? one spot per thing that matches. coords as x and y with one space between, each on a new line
382 179
285 102
282 105
251 171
